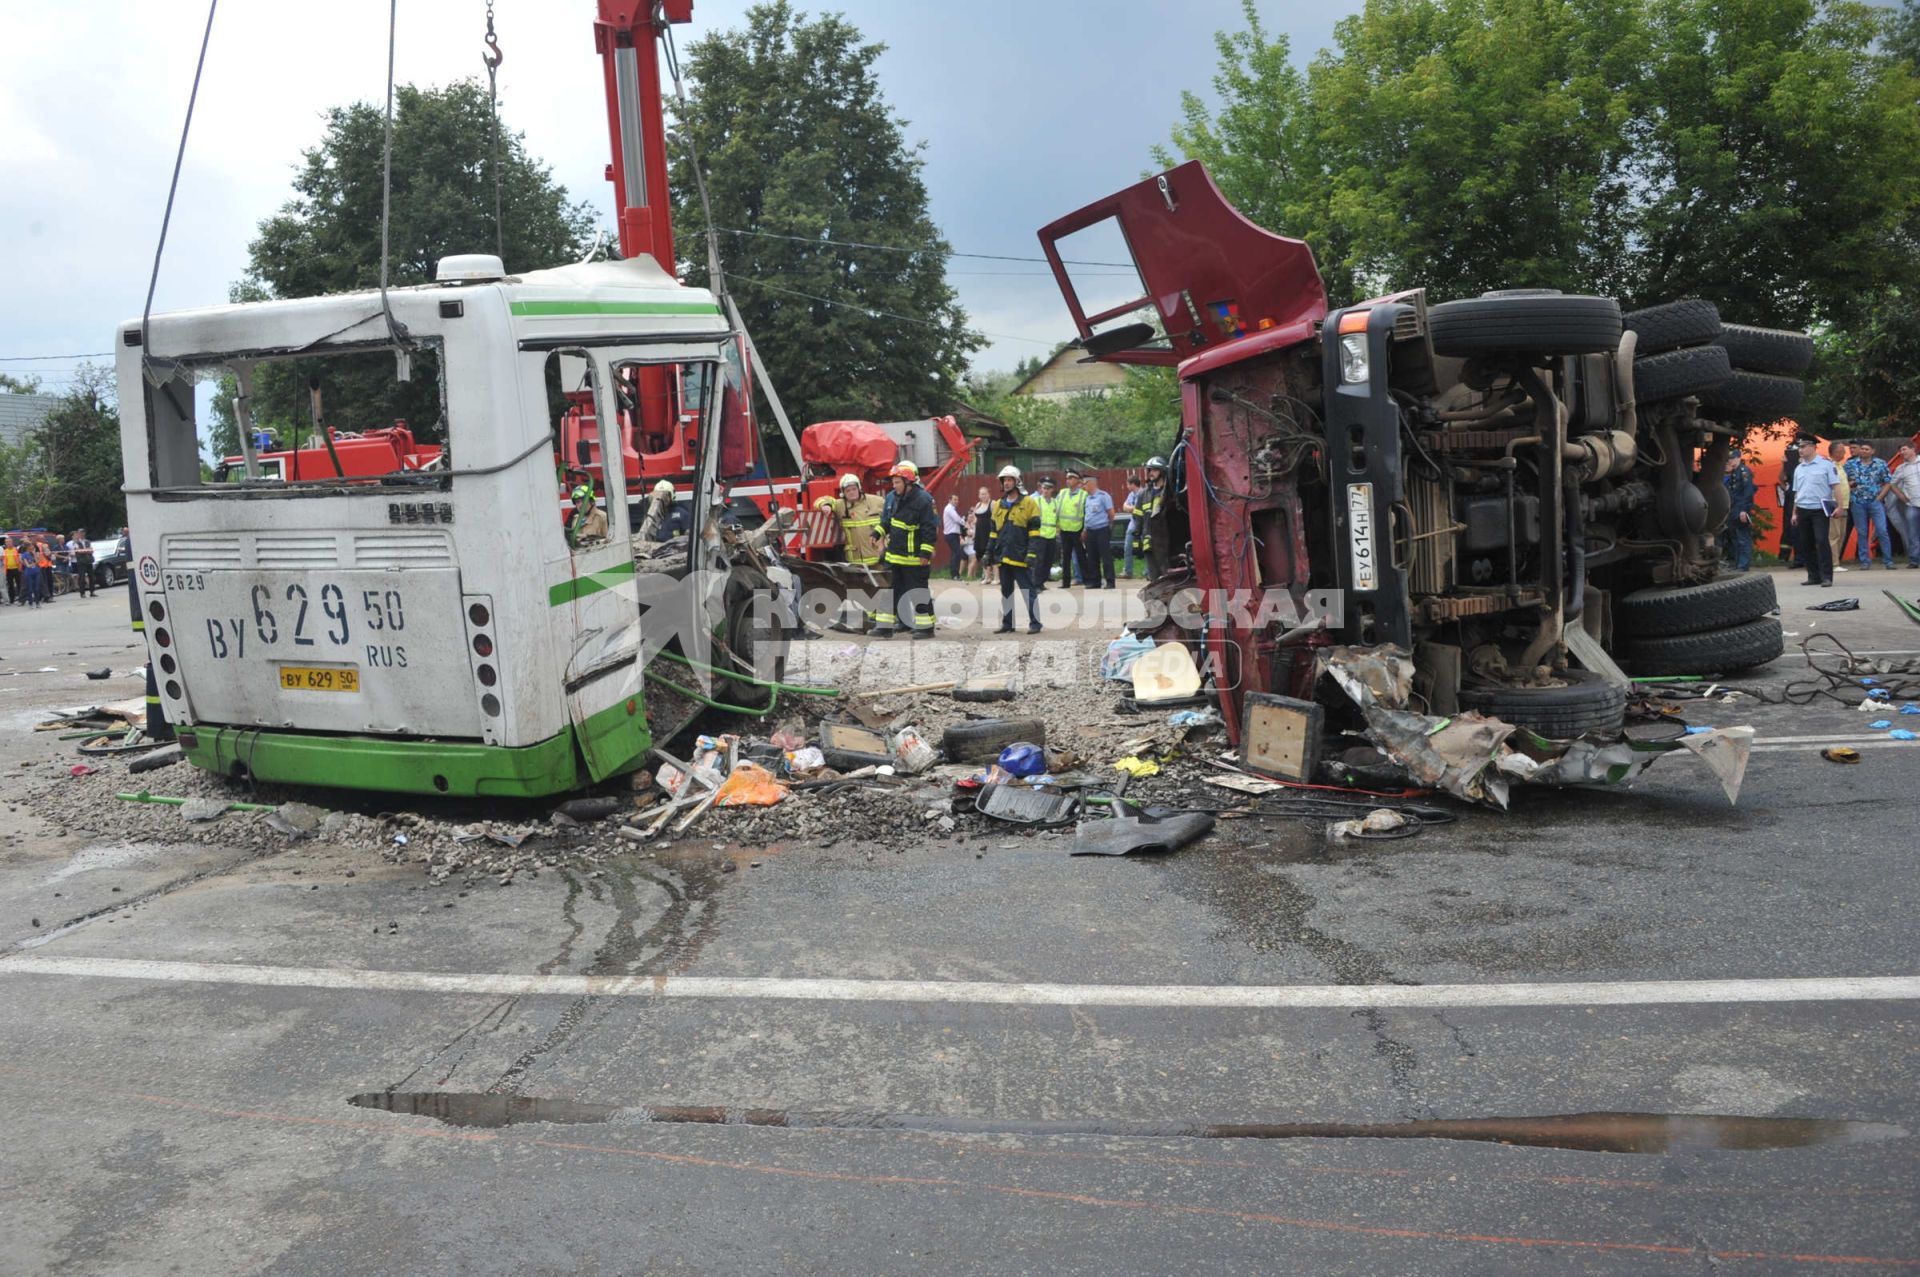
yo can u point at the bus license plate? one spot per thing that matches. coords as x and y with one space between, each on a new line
303 678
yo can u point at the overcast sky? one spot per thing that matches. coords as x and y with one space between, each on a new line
1027 109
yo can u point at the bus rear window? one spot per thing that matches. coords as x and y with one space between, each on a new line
344 418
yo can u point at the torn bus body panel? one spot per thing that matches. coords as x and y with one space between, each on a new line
1512 489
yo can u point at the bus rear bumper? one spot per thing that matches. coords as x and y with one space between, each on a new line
455 768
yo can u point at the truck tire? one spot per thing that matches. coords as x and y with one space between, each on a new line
1774 350
1588 703
1693 609
1534 324
1690 322
1737 647
1756 396
981 741
1691 370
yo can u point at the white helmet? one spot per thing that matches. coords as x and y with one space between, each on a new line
849 478
664 488
1010 472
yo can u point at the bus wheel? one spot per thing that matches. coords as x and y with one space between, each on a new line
756 638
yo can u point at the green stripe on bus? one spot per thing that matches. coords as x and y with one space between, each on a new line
592 583
613 308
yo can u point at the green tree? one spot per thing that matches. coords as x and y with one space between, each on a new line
1262 146
22 385
326 239
1138 419
797 140
66 473
1758 152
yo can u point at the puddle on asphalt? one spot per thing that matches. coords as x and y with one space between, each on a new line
1582 1132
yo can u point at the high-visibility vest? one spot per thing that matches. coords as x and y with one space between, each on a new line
1049 518
13 558
1073 509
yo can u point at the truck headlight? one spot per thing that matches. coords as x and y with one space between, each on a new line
1353 358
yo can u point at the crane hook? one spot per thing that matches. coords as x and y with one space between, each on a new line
493 57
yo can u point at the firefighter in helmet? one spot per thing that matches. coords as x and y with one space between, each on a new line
859 515
1149 507
589 525
1016 528
912 531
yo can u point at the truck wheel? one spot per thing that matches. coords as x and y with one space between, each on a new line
1691 322
1693 609
1532 324
759 638
1691 370
1723 651
1774 350
1588 703
982 741
1756 395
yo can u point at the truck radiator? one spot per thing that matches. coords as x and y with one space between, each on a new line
1433 536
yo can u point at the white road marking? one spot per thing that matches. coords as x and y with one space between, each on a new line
1179 996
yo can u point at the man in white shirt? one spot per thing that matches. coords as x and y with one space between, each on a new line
1816 493
1905 484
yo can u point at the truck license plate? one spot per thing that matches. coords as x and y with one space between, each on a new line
1360 536
308 678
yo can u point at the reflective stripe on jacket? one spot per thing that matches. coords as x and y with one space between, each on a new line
1146 506
912 530
861 524
1016 520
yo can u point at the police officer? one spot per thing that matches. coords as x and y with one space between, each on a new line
912 532
1070 509
1148 507
1046 547
1016 527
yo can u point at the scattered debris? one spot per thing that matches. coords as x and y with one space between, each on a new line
1136 766
100 675
1167 673
155 761
1025 805
1381 822
1836 605
1840 754
586 809
1147 833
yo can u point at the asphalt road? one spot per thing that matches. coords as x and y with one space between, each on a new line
196 1118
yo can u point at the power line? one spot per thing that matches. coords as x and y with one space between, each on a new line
28 359
895 248
869 310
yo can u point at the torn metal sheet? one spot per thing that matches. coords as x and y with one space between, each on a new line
1124 835
1476 758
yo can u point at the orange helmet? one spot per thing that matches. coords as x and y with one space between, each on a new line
905 470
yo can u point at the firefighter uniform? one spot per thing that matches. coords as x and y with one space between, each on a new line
912 532
860 523
1148 506
860 526
1016 527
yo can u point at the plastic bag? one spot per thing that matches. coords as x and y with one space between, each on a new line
809 759
1133 766
751 785
1023 759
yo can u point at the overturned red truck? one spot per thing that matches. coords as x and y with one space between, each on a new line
1519 489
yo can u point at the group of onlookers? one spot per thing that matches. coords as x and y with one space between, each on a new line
1848 489
34 561
1089 534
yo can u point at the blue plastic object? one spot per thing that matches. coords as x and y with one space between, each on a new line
1881 724
1901 733
1910 709
1698 731
1023 759
1879 693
